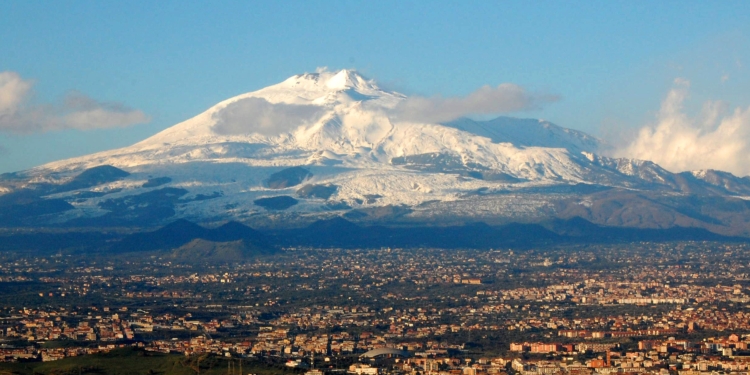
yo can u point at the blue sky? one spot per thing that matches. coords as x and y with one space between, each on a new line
611 62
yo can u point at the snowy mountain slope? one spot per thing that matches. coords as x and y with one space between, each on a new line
530 133
339 129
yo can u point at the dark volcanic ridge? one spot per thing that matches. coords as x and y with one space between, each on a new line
180 233
184 240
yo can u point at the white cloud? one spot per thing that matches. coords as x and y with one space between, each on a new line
257 115
19 115
504 98
716 139
13 91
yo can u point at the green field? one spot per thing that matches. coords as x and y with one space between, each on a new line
136 361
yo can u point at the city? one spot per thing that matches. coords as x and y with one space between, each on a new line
640 307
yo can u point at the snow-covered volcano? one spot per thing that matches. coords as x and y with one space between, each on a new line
341 118
332 143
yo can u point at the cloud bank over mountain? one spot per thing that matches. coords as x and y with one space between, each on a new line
261 116
714 139
18 114
504 98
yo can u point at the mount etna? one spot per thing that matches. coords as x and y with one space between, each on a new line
330 159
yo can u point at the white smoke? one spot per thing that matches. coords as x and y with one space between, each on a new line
715 139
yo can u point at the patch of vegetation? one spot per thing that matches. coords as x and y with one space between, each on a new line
158 181
276 203
129 361
317 191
